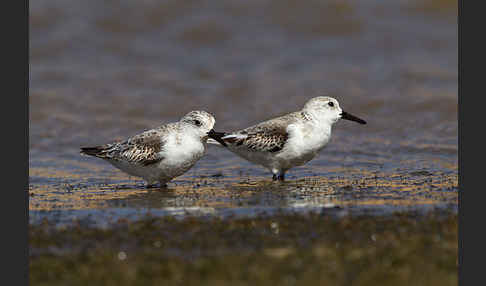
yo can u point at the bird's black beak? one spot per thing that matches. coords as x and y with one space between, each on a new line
217 136
347 116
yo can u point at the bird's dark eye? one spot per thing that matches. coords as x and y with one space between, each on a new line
331 104
197 122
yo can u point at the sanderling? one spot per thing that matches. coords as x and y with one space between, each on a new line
287 141
163 153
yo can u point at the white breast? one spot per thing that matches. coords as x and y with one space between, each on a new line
182 149
304 143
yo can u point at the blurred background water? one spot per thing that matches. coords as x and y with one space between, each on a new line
105 70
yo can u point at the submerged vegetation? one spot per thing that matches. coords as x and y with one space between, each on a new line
284 249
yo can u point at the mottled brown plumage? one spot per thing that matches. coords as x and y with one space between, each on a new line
162 153
271 140
287 141
143 149
268 136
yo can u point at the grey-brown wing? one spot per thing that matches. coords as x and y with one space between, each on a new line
266 141
269 136
143 149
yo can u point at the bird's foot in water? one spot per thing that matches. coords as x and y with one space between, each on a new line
156 186
278 177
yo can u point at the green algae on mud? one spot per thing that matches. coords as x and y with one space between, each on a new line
400 249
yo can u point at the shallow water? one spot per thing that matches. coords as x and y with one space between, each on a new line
105 71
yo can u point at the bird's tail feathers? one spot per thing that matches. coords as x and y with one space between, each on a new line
97 151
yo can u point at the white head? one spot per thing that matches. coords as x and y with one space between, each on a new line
327 109
201 122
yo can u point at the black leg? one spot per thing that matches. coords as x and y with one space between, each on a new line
274 177
157 185
163 185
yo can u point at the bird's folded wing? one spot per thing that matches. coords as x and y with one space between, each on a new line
144 149
264 138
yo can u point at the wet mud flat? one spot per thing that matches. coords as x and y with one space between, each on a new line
99 194
350 227
282 249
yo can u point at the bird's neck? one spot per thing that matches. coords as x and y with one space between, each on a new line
318 120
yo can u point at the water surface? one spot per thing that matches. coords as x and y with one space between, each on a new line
103 71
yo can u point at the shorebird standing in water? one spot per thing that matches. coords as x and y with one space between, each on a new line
163 153
287 141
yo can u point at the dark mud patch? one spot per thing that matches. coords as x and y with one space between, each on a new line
421 173
401 249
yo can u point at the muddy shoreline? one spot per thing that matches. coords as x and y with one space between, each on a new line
351 192
400 249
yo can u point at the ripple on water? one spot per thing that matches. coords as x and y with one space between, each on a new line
97 75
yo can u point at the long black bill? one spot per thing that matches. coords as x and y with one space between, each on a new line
347 116
217 136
